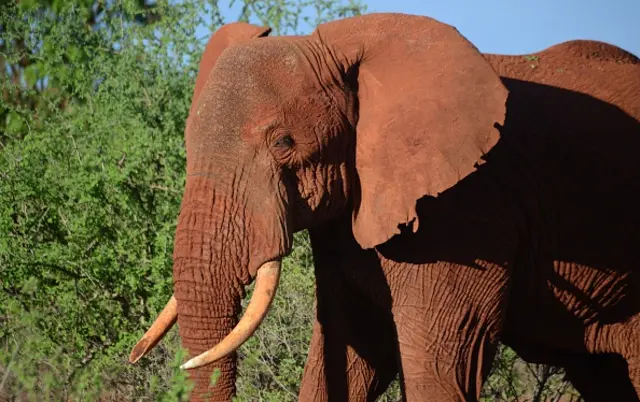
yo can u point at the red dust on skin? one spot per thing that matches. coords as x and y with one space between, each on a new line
254 131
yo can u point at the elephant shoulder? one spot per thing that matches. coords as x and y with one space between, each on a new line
591 50
576 55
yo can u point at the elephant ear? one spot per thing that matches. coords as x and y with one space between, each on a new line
227 35
428 106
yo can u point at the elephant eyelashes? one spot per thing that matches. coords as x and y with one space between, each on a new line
284 142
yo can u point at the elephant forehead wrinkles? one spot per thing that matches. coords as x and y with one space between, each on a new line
260 69
246 89
275 54
223 110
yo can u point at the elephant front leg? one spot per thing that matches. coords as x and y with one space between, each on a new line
337 371
448 319
353 354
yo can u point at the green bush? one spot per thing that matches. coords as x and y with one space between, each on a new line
90 192
94 100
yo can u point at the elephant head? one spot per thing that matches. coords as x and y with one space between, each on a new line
364 116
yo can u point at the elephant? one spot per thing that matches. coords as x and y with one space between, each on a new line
454 200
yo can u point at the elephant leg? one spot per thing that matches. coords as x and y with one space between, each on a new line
623 341
632 355
353 352
336 371
449 339
450 285
600 378
634 374
633 358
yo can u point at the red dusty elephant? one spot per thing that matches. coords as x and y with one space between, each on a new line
453 199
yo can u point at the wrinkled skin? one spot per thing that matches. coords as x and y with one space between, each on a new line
368 132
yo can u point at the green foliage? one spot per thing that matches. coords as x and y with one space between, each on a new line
44 64
293 17
512 379
94 100
90 191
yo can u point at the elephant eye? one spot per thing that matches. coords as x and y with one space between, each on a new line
284 142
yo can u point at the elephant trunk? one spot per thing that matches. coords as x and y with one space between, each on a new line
220 247
198 334
223 241
207 311
209 272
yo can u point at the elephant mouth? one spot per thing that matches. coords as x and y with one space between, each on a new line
267 280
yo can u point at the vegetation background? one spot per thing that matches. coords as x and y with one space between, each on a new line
94 96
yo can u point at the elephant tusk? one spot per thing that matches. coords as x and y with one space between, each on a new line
158 330
263 294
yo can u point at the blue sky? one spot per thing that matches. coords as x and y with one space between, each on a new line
525 26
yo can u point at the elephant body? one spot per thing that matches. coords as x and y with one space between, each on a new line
581 310
539 247
453 200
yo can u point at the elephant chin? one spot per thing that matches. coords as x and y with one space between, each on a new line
267 280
